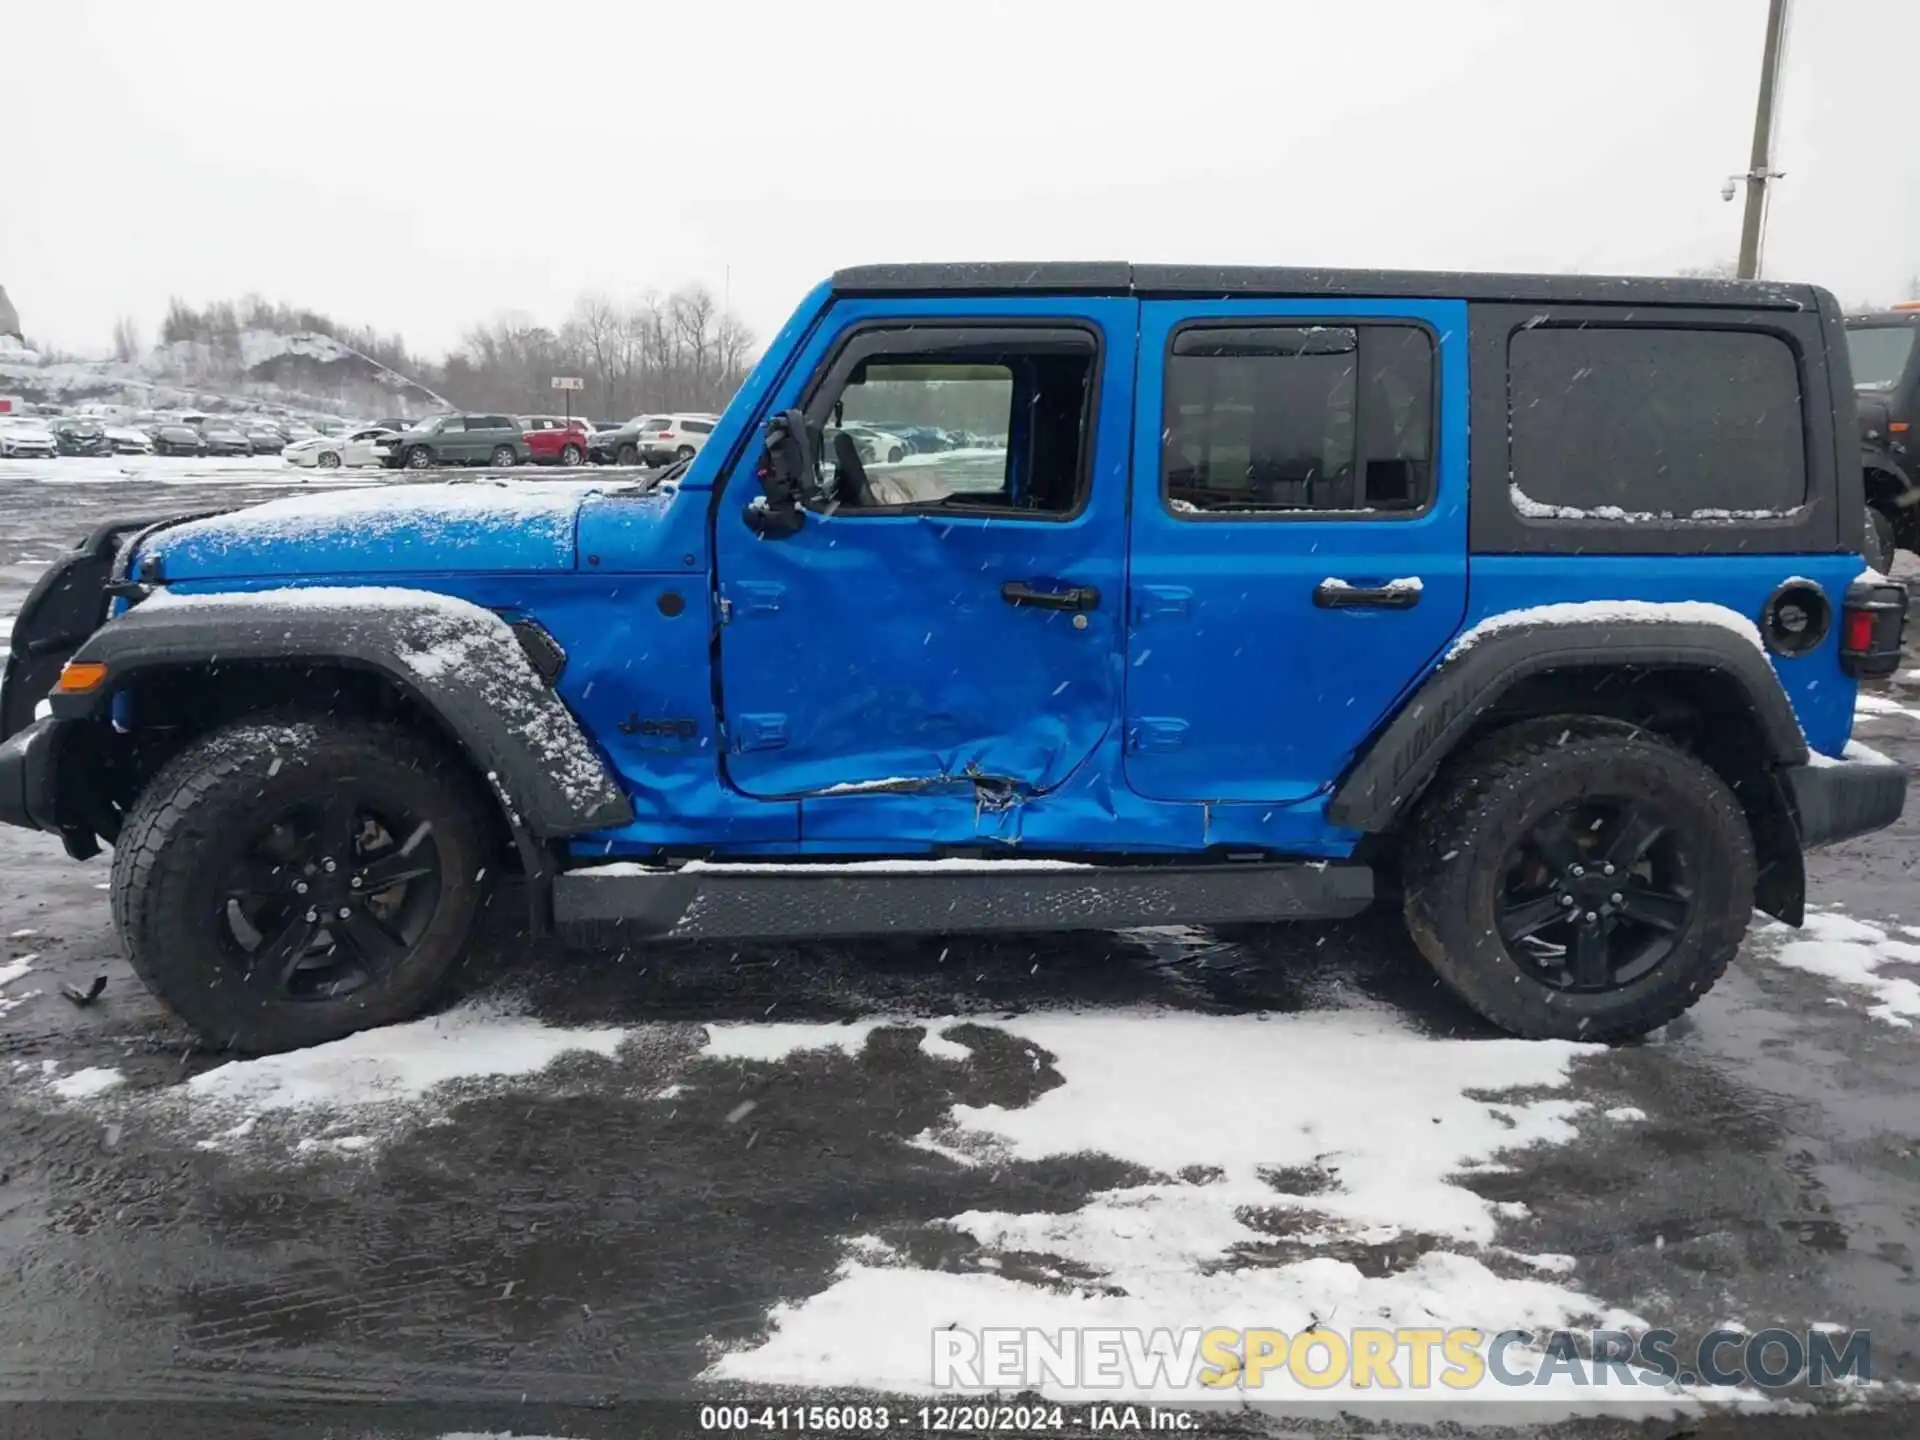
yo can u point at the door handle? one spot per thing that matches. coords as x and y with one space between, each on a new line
1074 597
1332 594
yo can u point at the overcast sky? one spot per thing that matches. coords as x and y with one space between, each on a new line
421 166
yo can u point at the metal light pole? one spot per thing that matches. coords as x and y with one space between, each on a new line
1759 171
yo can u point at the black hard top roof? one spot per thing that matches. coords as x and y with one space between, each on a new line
1119 277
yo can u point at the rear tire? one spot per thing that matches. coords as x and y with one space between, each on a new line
1506 890
570 455
685 452
233 879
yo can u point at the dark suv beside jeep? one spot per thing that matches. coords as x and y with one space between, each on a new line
1884 350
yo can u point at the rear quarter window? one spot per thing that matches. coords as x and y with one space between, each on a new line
1650 422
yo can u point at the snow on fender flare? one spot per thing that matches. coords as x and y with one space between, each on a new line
1500 652
457 660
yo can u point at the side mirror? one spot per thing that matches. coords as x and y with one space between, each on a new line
786 474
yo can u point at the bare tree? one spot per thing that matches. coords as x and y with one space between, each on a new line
126 340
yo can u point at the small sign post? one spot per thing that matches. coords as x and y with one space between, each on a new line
569 384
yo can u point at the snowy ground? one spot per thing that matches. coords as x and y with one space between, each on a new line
709 1173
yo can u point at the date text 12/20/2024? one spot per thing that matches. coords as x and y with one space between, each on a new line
944 1419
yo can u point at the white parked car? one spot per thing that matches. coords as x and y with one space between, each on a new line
876 447
128 441
330 452
673 437
24 439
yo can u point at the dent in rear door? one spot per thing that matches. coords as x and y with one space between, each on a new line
1263 483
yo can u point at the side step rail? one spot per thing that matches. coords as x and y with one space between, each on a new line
711 900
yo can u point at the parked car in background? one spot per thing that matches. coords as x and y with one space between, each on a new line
554 440
26 440
396 423
620 445
878 446
81 436
127 440
480 439
223 437
921 439
369 445
175 439
673 437
264 437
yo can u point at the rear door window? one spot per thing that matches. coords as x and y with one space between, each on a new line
1629 422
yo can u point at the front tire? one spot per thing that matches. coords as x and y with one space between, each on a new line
503 457
328 460
629 455
284 882
419 458
1578 879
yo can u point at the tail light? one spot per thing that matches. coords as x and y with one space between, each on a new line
1873 622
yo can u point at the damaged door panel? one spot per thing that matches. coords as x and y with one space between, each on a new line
943 630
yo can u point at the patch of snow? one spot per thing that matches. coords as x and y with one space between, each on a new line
422 515
1625 1113
1612 612
21 934
1386 1122
770 1042
396 1063
1852 952
14 969
859 787
1853 754
1864 704
87 1083
1404 585
941 1048
1534 509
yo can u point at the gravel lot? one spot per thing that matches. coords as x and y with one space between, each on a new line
573 1204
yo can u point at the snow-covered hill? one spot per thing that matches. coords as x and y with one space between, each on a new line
306 372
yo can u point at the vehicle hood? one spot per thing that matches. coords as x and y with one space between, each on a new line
30 433
464 527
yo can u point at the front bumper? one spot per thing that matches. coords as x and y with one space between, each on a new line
1835 800
27 766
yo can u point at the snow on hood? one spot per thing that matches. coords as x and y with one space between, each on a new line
471 526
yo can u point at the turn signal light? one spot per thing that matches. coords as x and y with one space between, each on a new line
80 677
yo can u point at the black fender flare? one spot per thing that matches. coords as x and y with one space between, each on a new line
1906 493
460 663
1406 754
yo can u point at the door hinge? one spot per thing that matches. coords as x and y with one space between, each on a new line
760 732
1156 736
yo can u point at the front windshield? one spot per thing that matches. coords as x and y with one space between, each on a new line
1879 354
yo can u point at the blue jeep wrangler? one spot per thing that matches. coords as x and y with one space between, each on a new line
1535 603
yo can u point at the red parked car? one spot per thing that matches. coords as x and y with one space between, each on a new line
554 441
